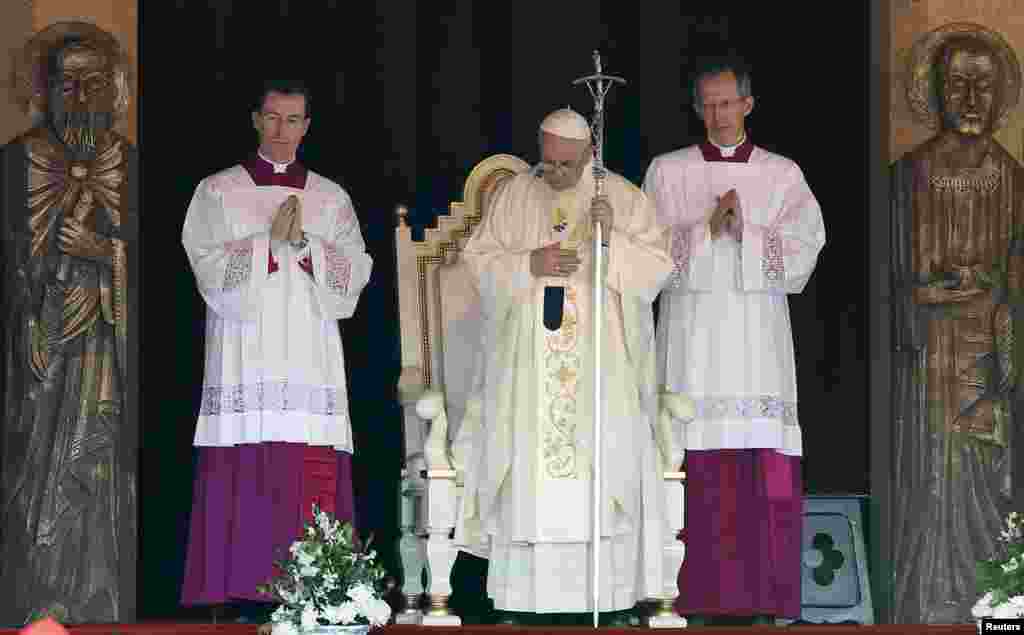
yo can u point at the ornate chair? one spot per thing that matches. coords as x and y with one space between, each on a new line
440 331
440 340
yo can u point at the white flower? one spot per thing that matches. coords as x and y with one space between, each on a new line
284 628
330 581
982 607
288 595
1011 566
309 571
308 555
378 612
329 528
281 614
296 546
1008 609
360 594
344 613
309 615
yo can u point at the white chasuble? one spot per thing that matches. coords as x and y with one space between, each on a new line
529 477
724 334
274 363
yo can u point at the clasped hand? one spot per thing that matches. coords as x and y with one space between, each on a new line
553 261
287 223
76 240
601 212
728 216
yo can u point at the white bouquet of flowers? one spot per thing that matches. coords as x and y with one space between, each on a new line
329 579
1001 579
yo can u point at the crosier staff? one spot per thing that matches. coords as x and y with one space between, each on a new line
599 84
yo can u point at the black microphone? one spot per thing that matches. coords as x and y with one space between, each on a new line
554 298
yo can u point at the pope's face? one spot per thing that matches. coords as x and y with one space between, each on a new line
281 124
969 92
563 160
724 109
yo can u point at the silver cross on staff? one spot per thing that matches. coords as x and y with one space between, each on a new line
599 84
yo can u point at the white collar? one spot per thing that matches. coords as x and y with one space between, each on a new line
728 151
279 168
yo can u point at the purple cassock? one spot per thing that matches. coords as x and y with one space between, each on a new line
745 537
724 339
256 481
744 508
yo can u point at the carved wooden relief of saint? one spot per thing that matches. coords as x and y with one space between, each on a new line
69 222
957 211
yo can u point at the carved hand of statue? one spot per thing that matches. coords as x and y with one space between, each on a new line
959 284
285 220
76 240
601 211
728 216
553 261
968 277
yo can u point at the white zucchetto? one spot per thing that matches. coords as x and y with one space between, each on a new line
566 123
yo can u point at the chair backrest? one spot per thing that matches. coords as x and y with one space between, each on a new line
439 306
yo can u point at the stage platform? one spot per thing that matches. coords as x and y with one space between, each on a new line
166 628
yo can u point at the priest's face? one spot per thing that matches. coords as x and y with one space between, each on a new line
969 90
82 97
563 160
724 110
281 124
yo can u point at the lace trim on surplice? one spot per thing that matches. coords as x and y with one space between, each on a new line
239 267
763 407
772 263
339 270
680 258
275 396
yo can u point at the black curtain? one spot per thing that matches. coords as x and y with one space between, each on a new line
407 98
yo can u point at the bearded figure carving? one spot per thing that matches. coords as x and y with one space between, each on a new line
958 259
69 233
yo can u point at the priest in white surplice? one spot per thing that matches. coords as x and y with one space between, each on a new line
746 231
278 257
528 483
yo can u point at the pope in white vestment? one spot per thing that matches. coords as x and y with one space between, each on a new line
528 484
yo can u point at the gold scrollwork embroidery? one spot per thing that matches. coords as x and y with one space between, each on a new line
562 365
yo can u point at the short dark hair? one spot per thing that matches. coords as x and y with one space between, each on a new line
716 65
285 87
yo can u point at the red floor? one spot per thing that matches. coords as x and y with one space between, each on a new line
162 628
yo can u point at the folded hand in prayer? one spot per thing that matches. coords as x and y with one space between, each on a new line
728 216
287 223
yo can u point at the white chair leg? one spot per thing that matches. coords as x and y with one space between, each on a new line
441 552
413 549
664 615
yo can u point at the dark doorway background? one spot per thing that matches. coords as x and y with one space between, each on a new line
407 98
